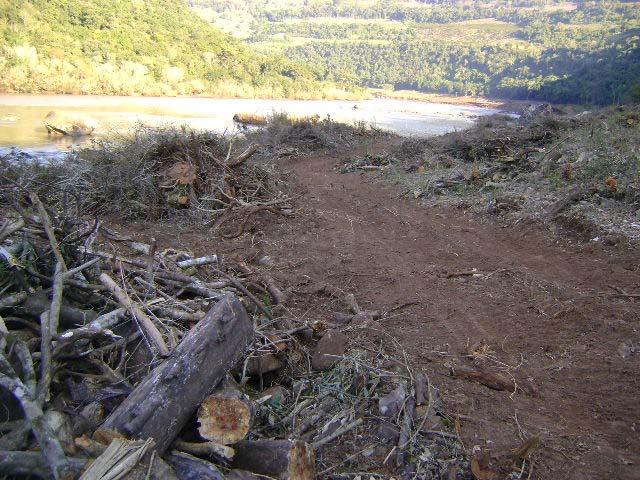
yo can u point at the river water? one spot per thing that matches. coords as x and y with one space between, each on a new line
21 116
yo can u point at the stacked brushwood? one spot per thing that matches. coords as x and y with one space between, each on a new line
157 174
118 360
110 356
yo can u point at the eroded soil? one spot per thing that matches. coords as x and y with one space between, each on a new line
541 307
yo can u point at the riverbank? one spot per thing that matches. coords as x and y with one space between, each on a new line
21 116
505 105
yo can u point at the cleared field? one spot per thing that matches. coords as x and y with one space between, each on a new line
486 30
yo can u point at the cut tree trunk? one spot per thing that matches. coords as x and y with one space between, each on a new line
226 416
162 403
282 459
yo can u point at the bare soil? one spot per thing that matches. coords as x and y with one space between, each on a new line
540 309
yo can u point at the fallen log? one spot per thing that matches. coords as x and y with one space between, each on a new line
282 459
226 416
162 403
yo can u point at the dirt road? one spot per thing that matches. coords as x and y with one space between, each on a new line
538 309
537 305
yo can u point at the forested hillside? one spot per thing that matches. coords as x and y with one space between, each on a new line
152 47
584 52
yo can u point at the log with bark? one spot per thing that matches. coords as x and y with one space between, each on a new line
162 403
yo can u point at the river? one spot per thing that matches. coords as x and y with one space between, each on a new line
21 116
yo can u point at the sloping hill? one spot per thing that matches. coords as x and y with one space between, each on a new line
151 47
550 50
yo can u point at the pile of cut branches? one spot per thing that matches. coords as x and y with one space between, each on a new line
121 360
158 173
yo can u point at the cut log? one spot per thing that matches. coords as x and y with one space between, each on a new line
282 459
162 403
188 467
226 416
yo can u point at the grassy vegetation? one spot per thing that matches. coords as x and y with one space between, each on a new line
520 168
151 47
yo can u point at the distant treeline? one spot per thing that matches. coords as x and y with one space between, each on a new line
582 52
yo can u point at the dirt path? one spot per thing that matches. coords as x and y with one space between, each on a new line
537 305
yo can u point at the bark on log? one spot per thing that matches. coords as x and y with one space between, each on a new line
162 403
188 467
282 459
226 416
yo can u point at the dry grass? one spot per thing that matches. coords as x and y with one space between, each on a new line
150 175
518 168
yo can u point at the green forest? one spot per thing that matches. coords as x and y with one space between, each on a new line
128 47
582 52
